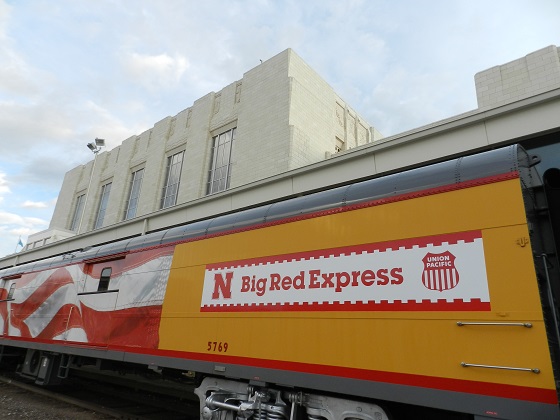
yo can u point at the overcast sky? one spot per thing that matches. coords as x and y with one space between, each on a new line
74 70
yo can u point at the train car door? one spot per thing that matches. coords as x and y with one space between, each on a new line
98 301
7 291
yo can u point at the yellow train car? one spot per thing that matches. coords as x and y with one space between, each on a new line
423 294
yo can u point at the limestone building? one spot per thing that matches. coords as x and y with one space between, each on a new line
279 132
280 116
536 73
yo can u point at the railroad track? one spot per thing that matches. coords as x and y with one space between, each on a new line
118 397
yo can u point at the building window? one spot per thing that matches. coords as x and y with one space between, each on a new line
78 210
220 168
339 146
134 194
104 279
172 177
105 191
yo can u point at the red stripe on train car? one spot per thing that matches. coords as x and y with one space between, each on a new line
540 395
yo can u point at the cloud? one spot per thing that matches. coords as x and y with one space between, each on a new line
16 77
4 188
49 123
10 219
155 72
34 204
72 71
15 226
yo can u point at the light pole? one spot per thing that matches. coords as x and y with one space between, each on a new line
95 147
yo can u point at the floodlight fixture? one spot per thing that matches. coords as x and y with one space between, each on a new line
96 146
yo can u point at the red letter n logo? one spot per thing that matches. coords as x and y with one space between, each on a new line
222 286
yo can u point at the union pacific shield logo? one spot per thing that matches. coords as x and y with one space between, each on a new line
440 272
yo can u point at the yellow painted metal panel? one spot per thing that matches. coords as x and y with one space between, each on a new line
416 343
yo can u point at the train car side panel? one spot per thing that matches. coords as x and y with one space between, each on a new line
113 301
399 341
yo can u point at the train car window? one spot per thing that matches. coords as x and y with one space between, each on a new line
546 149
104 279
11 292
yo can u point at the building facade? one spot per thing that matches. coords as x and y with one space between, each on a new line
536 73
279 132
280 116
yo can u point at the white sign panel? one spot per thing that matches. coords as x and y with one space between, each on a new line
445 272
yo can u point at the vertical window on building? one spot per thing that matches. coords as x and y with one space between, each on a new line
339 146
172 177
134 194
220 167
78 210
105 191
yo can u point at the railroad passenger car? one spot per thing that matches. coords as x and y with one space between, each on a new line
428 293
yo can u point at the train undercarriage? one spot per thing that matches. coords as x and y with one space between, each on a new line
219 398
